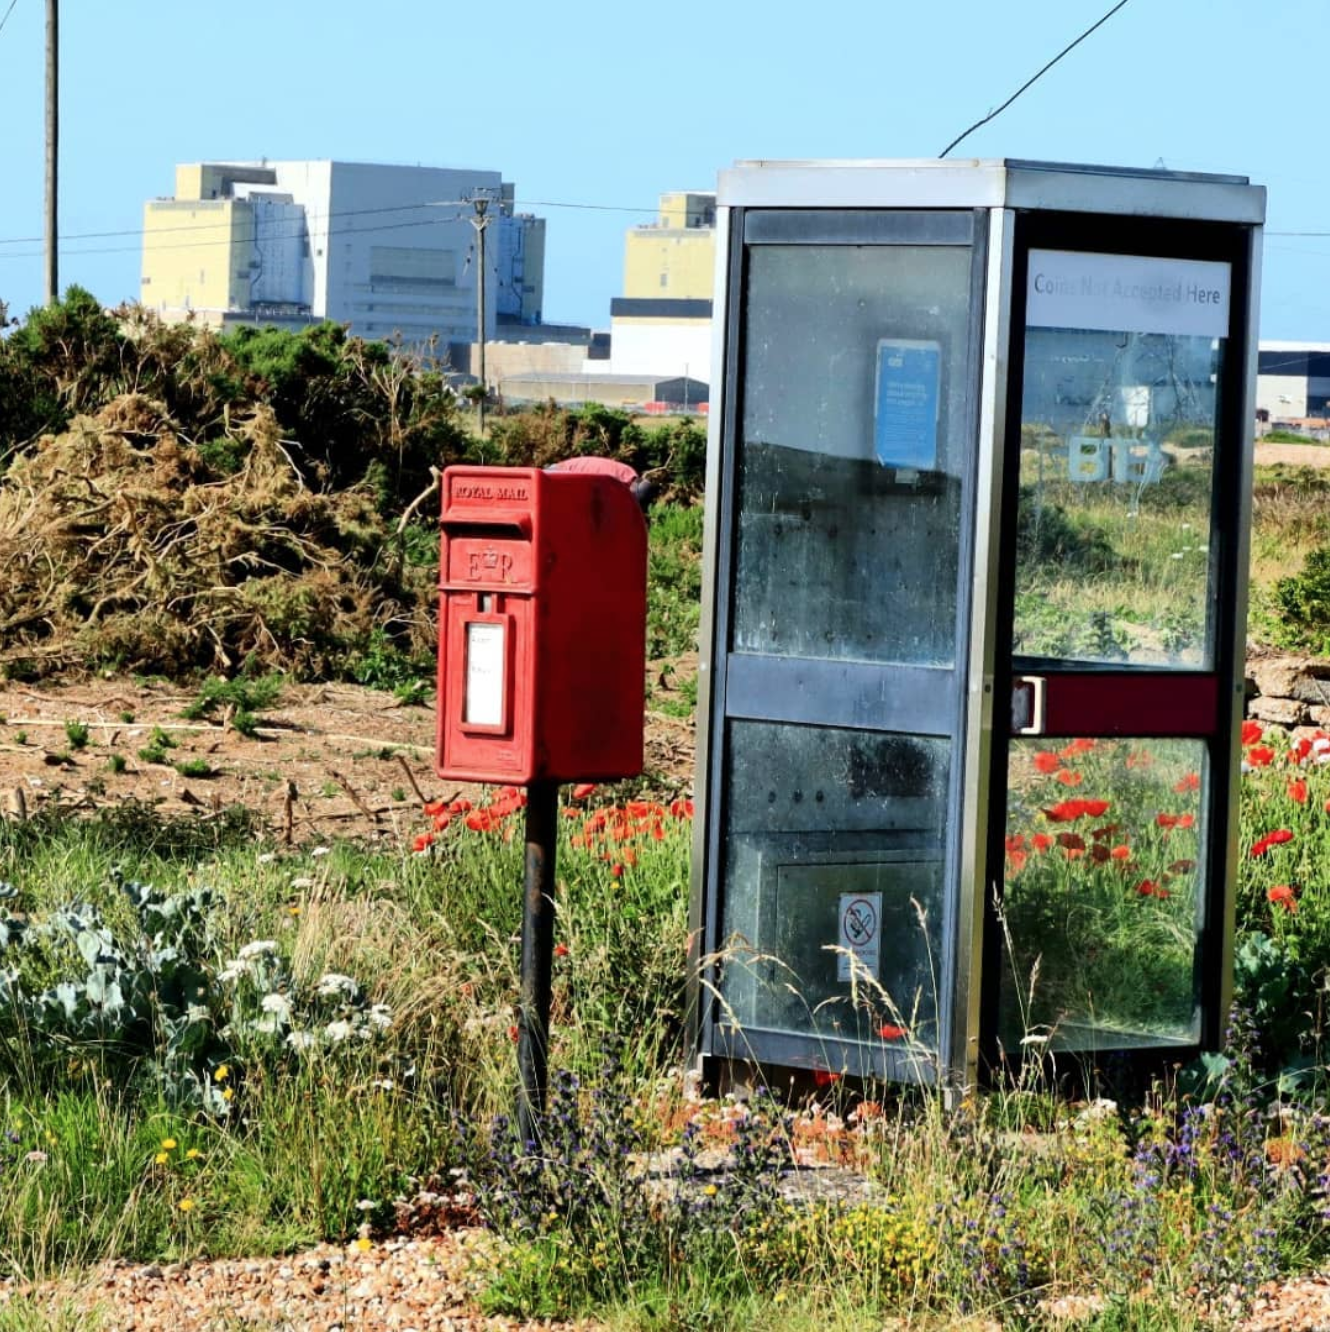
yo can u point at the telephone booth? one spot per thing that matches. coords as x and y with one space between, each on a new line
974 607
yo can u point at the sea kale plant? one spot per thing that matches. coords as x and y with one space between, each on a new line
149 1003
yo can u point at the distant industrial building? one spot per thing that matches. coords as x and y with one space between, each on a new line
644 393
661 325
387 250
1292 381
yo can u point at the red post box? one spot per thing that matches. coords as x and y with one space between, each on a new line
542 627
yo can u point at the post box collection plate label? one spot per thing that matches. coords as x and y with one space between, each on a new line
486 674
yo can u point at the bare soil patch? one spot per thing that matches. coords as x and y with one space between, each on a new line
1293 455
328 761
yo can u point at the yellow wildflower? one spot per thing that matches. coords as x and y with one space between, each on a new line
222 1072
227 1093
186 1204
161 1158
193 1154
364 1245
168 1144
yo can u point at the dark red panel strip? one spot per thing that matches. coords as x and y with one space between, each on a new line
1108 703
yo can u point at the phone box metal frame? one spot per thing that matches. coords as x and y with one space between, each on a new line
893 340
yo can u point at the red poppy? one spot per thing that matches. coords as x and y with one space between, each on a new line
1191 782
1041 841
459 806
1260 755
681 809
1140 758
1070 810
561 950
1017 859
1071 841
1069 778
824 1077
1015 842
1099 854
1104 831
1187 821
1282 895
1081 746
514 1033
1122 852
1149 888
1168 820
1045 761
616 871
1300 749
1276 838
1251 733
890 1032
441 821
423 842
583 789
433 807
1297 791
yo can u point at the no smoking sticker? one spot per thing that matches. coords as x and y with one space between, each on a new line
860 933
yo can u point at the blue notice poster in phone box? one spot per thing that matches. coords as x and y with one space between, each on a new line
909 375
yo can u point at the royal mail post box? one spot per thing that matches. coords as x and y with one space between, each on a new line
542 627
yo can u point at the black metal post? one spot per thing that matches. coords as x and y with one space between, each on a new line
533 1025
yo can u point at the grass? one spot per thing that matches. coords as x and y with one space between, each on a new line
1166 1214
987 1211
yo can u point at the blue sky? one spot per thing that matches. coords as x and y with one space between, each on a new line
606 103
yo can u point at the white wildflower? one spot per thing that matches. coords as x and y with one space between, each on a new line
257 949
338 1031
299 1040
267 858
196 1013
380 1016
321 851
334 984
302 883
278 1005
233 971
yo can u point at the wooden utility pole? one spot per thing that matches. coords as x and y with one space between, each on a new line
52 145
480 203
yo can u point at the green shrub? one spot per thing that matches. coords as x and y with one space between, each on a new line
1303 600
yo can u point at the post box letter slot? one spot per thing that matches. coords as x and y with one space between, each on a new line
488 656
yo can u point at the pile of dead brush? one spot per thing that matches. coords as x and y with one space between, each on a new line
124 548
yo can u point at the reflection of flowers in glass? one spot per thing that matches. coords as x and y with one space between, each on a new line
1251 733
1260 756
1047 762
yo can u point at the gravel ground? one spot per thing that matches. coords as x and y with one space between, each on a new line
403 1284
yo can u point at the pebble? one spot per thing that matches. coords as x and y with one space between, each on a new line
408 1285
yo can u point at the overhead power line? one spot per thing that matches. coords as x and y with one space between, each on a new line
231 240
992 115
312 218
8 12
